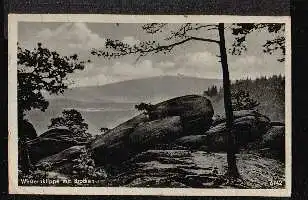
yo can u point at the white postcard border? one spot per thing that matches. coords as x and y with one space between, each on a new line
13 20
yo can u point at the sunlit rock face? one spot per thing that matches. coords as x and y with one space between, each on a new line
168 121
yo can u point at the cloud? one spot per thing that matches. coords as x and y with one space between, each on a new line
253 67
206 65
201 58
119 71
68 37
130 40
247 61
139 70
189 60
166 65
197 64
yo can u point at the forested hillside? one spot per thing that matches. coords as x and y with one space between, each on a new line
268 91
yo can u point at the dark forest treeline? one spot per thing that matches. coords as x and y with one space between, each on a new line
269 92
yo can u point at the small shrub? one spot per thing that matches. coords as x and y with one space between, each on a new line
103 130
211 91
147 108
241 100
73 120
84 167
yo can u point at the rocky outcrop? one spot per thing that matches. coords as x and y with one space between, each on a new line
254 133
118 133
193 142
240 114
51 142
163 131
274 137
113 147
169 120
195 111
248 127
177 144
62 161
272 143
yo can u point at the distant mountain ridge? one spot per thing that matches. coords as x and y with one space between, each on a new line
146 89
111 104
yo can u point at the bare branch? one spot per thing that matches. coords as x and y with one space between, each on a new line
153 27
205 39
208 27
181 33
121 49
116 48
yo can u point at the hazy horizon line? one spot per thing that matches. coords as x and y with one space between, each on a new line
173 76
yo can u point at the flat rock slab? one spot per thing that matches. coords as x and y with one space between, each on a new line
183 168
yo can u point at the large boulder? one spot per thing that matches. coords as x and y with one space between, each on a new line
62 161
273 142
195 111
192 142
118 133
239 114
249 126
168 121
274 137
142 137
112 147
51 142
162 131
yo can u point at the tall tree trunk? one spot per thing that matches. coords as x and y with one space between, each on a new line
231 159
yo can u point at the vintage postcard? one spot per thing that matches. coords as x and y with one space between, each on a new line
149 105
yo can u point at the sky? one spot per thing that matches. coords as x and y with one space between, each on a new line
194 59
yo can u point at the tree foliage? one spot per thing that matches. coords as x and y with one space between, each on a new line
211 91
146 107
42 70
277 43
72 120
103 129
84 167
269 92
241 100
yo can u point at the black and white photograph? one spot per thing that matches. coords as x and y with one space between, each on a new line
149 105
